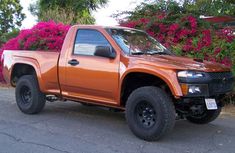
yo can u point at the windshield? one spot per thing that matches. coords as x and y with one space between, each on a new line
135 42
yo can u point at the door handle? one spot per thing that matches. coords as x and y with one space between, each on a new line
73 62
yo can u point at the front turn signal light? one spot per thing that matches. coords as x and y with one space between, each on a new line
184 88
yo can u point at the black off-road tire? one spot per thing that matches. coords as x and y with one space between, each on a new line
29 98
160 117
207 117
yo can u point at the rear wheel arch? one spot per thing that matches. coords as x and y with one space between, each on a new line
21 69
134 80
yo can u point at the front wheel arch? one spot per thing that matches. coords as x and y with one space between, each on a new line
135 80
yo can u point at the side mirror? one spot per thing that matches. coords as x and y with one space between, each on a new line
105 51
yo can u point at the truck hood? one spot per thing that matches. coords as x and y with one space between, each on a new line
178 63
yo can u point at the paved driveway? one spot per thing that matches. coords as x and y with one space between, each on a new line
67 127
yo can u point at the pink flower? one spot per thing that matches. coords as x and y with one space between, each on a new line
199 46
206 39
160 15
212 59
162 28
226 34
217 50
176 39
227 61
183 33
151 33
193 31
189 41
174 27
160 38
144 20
131 24
193 22
187 48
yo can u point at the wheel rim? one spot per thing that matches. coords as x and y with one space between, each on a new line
26 95
145 114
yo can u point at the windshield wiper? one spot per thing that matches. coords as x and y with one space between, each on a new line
159 53
149 53
137 53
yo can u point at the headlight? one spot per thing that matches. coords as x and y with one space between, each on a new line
193 83
190 74
194 89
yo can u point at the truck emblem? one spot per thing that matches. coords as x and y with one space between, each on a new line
224 80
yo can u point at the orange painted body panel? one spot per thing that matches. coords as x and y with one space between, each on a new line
98 79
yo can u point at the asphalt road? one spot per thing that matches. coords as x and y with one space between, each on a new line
67 127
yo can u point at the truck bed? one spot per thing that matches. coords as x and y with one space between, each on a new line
44 62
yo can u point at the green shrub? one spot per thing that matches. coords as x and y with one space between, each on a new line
7 36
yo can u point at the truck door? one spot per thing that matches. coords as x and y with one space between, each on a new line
88 76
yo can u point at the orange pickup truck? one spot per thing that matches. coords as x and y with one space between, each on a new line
124 69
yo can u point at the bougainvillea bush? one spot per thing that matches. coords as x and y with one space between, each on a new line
45 36
185 34
187 38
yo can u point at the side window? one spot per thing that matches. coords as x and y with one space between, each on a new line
87 41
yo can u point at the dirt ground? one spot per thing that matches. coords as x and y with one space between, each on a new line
3 85
229 110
